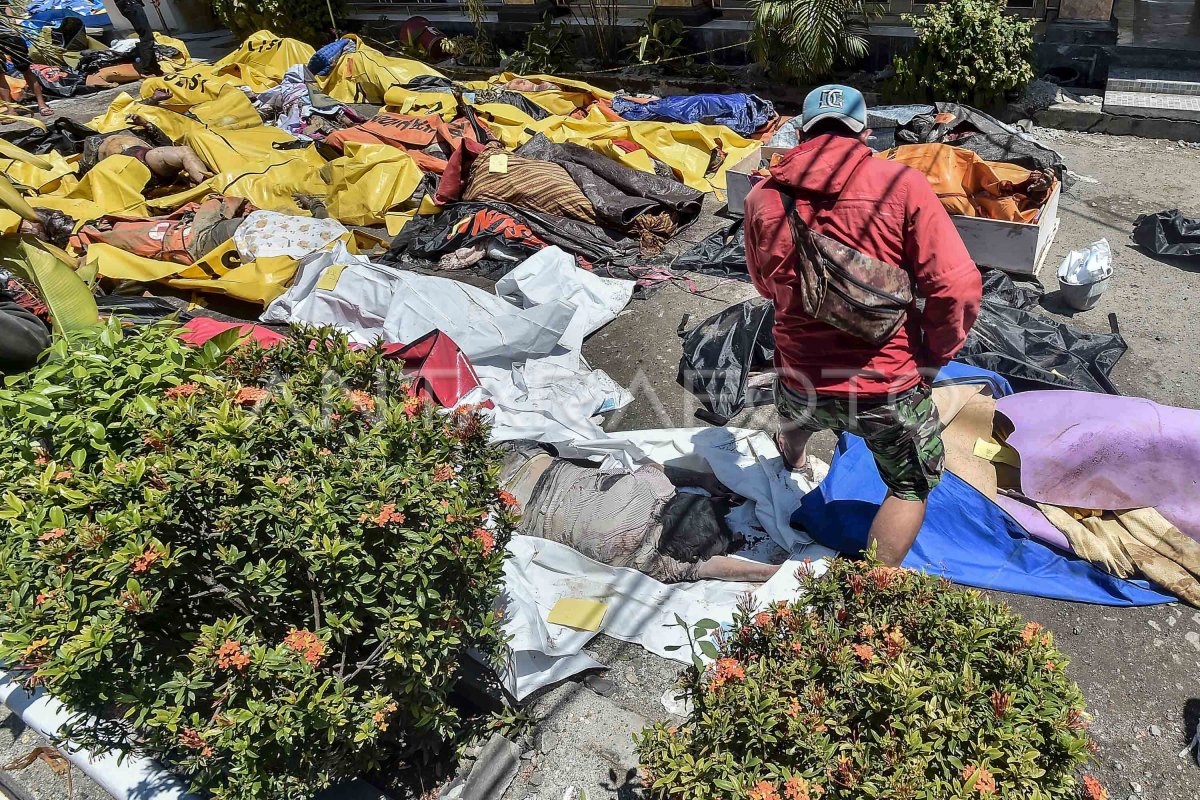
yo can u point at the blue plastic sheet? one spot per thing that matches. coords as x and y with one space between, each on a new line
48 12
741 113
966 537
323 60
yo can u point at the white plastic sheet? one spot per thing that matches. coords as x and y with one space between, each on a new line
524 344
128 777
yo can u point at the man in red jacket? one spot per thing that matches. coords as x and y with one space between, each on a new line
832 380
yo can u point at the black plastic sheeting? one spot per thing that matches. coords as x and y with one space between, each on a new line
1168 233
143 310
721 253
981 133
720 353
466 224
61 135
1036 352
1031 350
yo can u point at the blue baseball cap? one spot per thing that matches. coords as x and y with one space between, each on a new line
834 101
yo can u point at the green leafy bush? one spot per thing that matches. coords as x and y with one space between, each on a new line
548 49
808 39
661 40
882 683
967 51
306 20
261 567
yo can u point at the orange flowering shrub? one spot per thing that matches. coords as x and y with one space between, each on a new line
261 567
879 683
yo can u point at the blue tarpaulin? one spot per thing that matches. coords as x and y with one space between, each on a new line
48 12
741 113
966 537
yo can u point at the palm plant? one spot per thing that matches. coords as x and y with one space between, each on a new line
808 39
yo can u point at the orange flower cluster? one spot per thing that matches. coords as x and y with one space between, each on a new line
864 652
1093 790
361 401
726 670
1075 720
194 741
1000 703
485 538
380 717
793 710
764 791
443 472
250 396
53 534
230 656
507 499
146 560
797 788
307 644
1030 632
182 390
867 631
154 442
985 784
412 406
129 603
42 598
387 515
762 619
894 643
883 577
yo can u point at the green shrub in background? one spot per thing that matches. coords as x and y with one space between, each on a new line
881 684
306 20
807 40
967 51
262 569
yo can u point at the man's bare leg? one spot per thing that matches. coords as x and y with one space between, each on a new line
793 442
724 568
34 84
895 528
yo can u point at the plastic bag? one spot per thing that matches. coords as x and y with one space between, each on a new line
1090 264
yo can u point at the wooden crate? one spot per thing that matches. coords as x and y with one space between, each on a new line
1015 247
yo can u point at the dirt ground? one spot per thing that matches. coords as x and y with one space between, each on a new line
1139 669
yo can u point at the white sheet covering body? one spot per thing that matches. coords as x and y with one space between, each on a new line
524 341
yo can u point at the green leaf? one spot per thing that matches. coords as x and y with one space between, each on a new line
709 649
70 301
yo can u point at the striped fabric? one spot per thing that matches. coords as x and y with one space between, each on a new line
536 185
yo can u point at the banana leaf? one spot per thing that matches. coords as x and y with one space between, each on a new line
70 301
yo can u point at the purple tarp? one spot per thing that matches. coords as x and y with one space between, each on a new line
1103 451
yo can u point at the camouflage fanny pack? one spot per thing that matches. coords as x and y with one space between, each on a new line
842 287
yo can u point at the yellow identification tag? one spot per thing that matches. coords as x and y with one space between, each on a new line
575 612
498 163
997 453
329 278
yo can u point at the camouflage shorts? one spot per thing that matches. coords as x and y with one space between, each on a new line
904 434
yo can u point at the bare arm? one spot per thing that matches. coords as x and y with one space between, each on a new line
168 162
724 568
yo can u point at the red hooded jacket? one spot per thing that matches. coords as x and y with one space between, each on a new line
887 211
